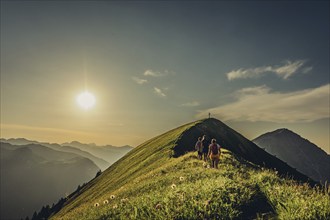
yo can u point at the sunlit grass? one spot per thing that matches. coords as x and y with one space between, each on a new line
182 188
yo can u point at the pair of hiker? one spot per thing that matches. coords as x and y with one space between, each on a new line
212 151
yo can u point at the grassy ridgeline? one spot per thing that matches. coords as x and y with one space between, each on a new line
150 184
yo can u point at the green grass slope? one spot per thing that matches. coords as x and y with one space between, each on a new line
150 183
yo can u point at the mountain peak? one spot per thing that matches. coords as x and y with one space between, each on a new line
75 142
298 152
284 134
285 131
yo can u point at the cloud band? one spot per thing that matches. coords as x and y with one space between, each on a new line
260 104
284 71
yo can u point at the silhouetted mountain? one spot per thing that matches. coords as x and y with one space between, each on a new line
33 175
18 141
102 156
297 152
108 153
102 164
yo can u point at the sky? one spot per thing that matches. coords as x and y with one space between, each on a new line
153 66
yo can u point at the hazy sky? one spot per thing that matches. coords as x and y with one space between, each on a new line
153 66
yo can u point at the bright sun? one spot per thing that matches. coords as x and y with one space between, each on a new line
86 100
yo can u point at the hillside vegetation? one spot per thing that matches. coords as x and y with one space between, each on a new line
150 183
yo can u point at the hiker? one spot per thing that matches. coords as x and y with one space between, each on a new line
199 148
205 143
214 153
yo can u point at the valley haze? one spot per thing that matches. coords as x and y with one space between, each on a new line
34 174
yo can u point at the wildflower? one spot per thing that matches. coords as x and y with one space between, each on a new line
105 201
173 186
115 206
181 196
181 178
97 204
158 206
208 167
124 200
204 164
112 196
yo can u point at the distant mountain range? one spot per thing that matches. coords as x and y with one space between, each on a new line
102 156
298 152
35 173
108 153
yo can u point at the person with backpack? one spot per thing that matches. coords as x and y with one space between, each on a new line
205 143
214 153
199 148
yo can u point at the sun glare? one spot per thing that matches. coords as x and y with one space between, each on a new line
86 100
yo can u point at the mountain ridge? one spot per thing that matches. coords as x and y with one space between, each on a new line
287 131
102 156
138 183
24 141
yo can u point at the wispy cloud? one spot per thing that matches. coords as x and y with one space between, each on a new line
307 69
191 104
139 80
261 104
159 92
284 71
153 73
288 69
158 73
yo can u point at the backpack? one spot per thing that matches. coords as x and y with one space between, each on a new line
205 147
214 149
